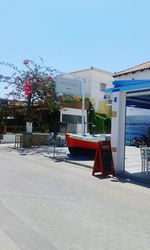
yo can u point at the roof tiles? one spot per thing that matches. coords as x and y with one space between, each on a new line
134 69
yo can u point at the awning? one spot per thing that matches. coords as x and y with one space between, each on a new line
137 91
128 85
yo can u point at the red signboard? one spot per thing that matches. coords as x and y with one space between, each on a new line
103 162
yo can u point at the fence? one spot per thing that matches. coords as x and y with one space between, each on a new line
36 139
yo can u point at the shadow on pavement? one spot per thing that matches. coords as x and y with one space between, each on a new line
44 151
135 178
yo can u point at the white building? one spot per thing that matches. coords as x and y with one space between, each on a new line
96 81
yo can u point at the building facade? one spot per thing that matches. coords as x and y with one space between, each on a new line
96 81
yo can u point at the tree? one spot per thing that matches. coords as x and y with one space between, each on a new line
34 85
98 123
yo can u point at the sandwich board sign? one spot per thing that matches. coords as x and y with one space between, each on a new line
68 86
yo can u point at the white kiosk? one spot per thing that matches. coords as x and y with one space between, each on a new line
120 92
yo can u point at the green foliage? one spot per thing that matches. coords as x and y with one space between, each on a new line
1 115
107 125
67 98
2 119
98 123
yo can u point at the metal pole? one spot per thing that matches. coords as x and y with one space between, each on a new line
83 103
54 151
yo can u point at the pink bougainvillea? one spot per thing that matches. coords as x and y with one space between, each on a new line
28 92
27 87
27 83
35 83
50 77
26 62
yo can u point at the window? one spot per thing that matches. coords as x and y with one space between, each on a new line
102 87
71 118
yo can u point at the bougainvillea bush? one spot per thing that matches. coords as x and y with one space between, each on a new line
35 84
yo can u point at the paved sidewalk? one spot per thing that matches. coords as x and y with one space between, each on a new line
49 204
132 159
59 153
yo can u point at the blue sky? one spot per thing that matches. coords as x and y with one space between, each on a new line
70 35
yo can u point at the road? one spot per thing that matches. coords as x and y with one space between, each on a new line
55 205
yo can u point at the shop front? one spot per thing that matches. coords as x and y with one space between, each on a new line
125 94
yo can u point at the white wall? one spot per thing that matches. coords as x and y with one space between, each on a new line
93 77
98 77
8 138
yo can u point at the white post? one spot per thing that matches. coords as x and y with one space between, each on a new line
118 129
29 127
83 103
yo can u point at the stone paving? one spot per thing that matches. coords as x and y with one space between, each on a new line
47 203
132 155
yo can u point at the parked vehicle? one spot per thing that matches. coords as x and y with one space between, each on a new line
139 140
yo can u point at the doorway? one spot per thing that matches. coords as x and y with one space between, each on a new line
137 124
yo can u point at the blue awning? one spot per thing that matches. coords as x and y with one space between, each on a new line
142 100
126 85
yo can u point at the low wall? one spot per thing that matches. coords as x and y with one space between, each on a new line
8 138
32 139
